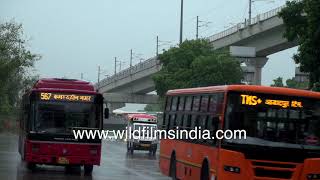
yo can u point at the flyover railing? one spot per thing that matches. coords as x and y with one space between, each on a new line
142 66
260 17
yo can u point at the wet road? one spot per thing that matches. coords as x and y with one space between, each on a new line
115 164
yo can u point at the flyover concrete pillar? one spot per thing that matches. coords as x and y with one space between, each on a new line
248 74
257 63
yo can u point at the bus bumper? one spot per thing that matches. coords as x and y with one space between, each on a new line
144 146
62 153
62 160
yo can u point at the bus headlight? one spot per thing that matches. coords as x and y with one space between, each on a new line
232 169
35 148
313 176
93 151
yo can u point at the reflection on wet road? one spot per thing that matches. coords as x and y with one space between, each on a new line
115 164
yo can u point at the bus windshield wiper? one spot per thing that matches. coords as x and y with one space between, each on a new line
82 128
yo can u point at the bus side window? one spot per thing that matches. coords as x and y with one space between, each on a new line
202 120
204 103
220 101
181 125
172 121
212 124
181 103
196 103
174 103
213 103
195 121
187 122
165 121
168 103
179 120
216 103
188 103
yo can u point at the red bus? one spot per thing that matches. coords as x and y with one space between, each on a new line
50 111
282 133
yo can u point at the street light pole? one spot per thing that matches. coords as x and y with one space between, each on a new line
130 58
197 31
250 12
99 77
157 50
115 65
181 21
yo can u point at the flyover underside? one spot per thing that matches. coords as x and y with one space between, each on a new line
131 98
268 42
140 86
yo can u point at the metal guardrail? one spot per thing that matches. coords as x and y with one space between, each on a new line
147 64
240 26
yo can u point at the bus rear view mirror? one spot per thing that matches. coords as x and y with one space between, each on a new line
106 113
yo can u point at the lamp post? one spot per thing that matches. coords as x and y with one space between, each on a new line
181 21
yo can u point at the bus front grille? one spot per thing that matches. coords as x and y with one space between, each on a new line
273 169
145 142
261 172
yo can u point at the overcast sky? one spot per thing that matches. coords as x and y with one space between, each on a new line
75 36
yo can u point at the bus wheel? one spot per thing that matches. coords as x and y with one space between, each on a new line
128 147
204 171
153 151
131 150
31 166
173 168
88 169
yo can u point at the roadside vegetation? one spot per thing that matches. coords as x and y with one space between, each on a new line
302 22
196 64
16 63
290 83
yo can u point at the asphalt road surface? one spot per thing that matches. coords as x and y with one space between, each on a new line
115 164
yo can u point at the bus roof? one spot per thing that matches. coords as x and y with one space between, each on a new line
247 88
63 85
141 116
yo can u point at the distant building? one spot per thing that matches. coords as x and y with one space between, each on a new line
301 77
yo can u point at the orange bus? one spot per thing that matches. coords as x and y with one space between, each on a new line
282 133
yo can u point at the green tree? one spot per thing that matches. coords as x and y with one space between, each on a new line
302 22
153 108
15 63
292 83
316 87
194 64
278 82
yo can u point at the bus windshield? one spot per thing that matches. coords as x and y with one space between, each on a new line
274 120
61 117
